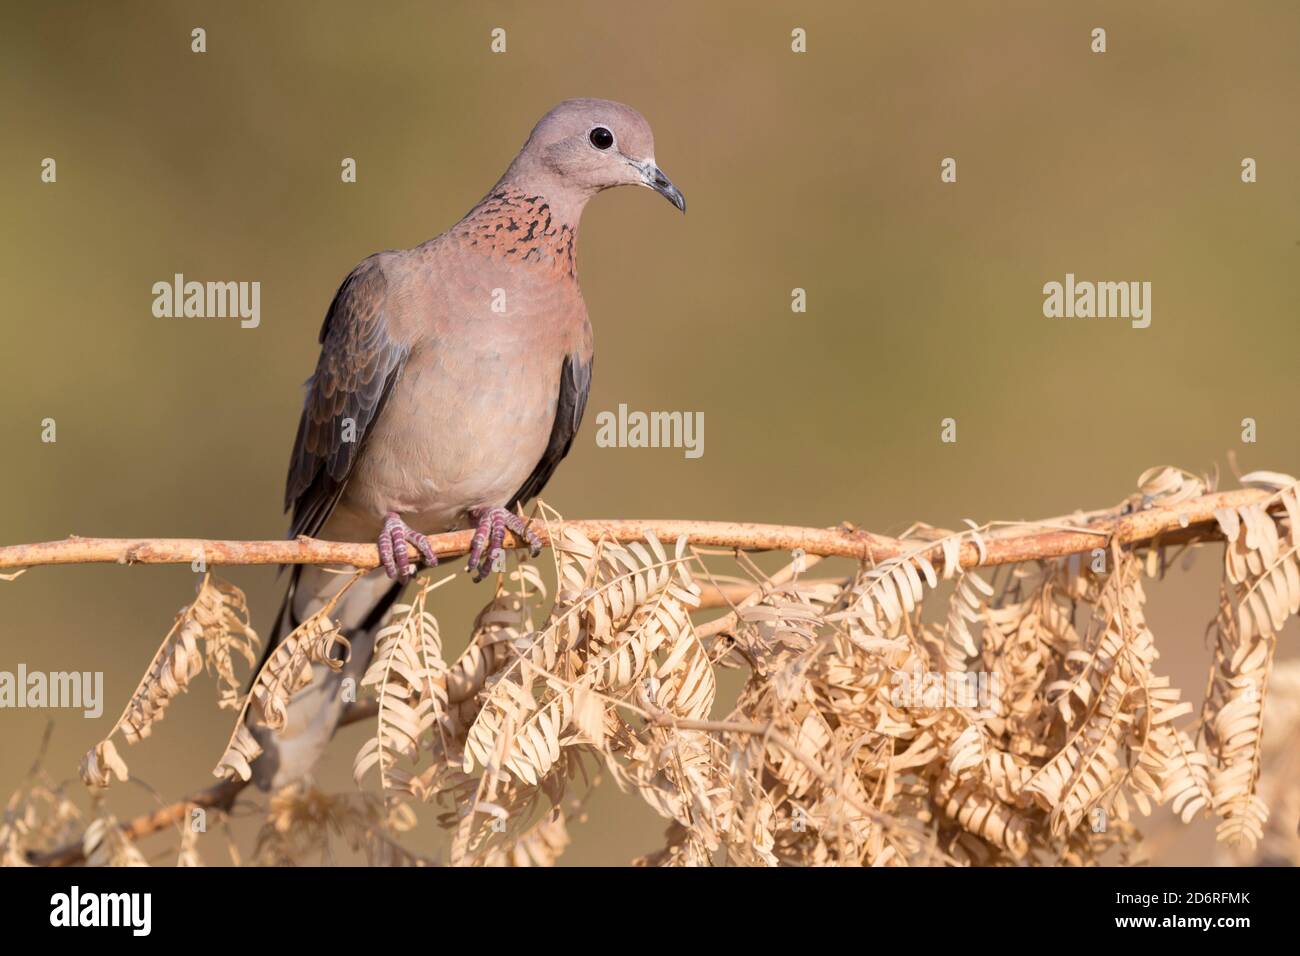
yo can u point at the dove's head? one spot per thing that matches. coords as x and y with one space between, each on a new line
584 146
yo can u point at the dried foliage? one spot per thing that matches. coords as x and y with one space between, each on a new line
37 817
106 845
302 824
286 672
210 633
1279 779
909 713
409 678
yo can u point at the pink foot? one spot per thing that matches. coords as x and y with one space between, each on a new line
393 540
492 526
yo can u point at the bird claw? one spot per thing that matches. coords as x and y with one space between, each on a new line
487 548
393 555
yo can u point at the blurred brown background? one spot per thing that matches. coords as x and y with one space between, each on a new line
818 170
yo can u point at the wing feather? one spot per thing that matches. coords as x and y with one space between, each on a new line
359 364
575 383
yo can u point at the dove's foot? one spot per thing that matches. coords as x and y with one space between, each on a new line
393 539
486 550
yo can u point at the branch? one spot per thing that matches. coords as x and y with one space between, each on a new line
1189 520
220 796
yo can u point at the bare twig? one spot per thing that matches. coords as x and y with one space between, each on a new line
1190 520
221 796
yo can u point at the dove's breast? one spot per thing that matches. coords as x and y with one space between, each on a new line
471 414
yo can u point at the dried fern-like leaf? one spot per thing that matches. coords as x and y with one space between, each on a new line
1165 485
541 845
983 815
227 635
37 816
302 823
965 607
177 662
410 679
287 671
101 763
1234 718
106 845
217 619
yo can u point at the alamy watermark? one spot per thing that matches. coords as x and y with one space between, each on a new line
209 300
626 429
1098 300
80 690
933 690
133 911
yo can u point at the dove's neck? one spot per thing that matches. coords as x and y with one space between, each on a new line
526 226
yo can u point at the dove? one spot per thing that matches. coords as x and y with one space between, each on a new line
451 382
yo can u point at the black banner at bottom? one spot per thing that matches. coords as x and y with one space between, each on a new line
345 906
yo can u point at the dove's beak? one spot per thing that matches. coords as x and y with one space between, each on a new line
654 178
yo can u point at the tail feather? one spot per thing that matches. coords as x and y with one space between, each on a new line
292 753
282 625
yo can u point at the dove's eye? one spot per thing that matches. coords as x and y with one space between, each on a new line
601 138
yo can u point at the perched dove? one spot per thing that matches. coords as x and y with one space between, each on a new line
451 381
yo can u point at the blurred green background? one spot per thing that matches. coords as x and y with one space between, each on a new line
818 171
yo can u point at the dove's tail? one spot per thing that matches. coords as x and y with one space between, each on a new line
314 712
